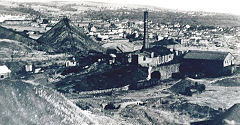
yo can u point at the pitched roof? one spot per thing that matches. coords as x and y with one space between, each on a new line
206 55
158 51
4 69
165 42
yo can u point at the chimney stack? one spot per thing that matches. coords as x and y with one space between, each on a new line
145 36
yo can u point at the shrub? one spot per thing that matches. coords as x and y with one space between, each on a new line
201 87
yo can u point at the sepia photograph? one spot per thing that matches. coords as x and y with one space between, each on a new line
119 62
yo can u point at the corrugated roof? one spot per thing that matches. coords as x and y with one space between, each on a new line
206 55
4 69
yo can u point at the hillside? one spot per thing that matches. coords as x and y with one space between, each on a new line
8 47
106 11
13 35
100 77
230 116
66 37
169 16
22 103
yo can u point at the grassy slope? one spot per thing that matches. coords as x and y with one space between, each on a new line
22 103
13 35
12 45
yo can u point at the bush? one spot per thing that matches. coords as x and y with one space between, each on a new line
201 87
111 106
188 91
187 87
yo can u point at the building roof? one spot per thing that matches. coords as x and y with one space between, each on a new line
165 42
157 50
4 69
206 55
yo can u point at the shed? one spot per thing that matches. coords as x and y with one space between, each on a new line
4 72
224 58
71 62
213 63
29 68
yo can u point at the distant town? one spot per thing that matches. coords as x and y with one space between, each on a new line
122 29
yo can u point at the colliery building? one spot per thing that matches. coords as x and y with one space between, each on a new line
154 56
163 62
151 56
210 63
157 58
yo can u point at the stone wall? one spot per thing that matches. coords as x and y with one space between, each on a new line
166 71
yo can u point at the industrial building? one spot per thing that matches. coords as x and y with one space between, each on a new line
151 56
210 63
154 56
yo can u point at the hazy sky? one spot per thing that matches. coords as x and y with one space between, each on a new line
222 6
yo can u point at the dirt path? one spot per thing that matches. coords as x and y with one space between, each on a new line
31 82
125 104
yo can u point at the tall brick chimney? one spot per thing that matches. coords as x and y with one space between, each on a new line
145 36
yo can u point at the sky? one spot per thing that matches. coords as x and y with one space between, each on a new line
222 6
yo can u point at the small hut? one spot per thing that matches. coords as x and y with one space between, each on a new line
5 72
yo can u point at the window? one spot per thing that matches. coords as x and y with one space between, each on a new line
2 76
144 58
227 62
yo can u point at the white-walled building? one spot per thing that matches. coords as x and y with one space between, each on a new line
5 72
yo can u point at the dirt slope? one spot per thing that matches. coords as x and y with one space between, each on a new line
22 103
13 35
